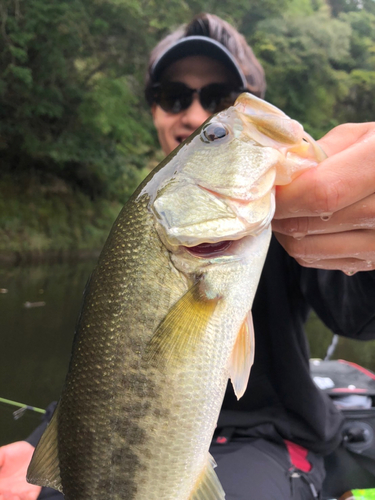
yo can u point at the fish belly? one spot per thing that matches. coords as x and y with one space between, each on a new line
180 426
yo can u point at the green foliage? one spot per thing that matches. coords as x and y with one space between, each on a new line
358 104
298 54
340 6
36 217
312 65
245 14
70 98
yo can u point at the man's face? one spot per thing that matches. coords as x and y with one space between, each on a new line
195 72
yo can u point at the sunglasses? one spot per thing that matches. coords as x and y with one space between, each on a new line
174 97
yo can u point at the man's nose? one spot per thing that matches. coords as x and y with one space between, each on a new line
195 115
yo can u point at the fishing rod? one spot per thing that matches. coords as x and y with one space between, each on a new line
332 347
21 408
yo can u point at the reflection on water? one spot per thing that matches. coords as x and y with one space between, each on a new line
36 339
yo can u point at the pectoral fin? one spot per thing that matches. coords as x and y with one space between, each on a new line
180 331
242 356
208 486
44 468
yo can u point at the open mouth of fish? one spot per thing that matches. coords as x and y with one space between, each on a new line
209 249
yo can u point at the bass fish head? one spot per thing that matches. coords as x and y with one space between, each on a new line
218 186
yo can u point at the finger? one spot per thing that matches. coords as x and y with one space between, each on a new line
332 251
339 181
347 266
344 136
360 215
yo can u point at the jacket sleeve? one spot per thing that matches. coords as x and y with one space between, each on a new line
346 304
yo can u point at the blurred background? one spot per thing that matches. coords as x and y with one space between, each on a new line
76 138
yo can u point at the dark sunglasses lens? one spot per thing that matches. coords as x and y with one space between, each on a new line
216 97
174 97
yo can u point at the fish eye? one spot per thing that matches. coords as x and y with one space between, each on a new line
213 132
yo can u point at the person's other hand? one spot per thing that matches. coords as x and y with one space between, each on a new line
14 461
326 217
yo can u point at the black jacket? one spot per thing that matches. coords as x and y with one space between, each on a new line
281 398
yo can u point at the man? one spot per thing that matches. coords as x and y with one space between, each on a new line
270 444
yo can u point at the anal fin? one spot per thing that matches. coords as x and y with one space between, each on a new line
44 468
208 486
242 356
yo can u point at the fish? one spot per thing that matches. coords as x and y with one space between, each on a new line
166 316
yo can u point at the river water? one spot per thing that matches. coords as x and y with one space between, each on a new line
39 306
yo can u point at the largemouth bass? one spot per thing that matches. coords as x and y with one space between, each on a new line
166 318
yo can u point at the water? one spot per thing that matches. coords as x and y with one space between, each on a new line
36 341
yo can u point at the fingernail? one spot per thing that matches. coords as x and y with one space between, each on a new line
349 273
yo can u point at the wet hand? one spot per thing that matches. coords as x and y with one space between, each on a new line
326 217
14 460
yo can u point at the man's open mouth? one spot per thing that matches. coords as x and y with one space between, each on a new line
181 138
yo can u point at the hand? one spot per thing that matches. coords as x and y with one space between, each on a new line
326 217
14 461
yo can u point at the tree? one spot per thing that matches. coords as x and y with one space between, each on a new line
299 55
339 6
66 66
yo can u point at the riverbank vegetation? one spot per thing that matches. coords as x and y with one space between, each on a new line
76 136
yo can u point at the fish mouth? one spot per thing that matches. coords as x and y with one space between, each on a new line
205 250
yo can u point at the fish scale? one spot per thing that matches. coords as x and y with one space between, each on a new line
112 340
166 316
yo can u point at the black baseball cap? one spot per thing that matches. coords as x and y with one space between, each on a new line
193 46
